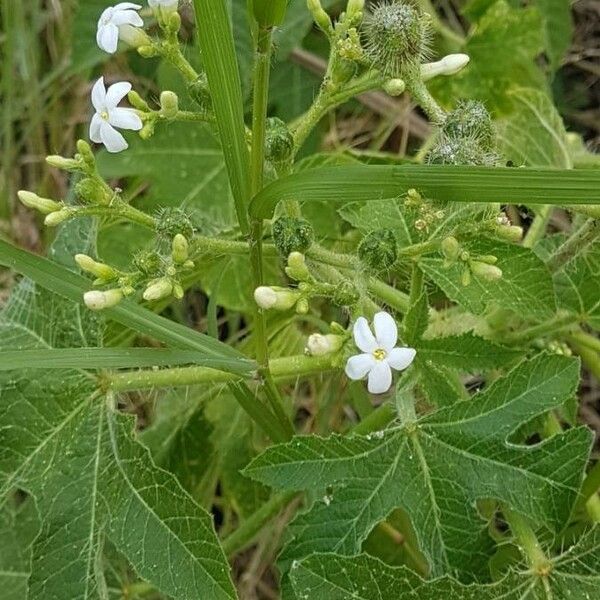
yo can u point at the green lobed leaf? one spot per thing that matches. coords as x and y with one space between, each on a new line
345 184
437 471
558 28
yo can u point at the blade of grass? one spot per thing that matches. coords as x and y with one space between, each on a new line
220 63
115 358
354 183
63 282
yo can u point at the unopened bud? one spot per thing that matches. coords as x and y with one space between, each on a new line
148 51
449 65
488 259
97 269
178 291
297 268
158 289
451 248
93 191
134 36
137 101
43 205
147 131
302 306
169 104
485 271
319 345
465 277
180 249
511 233
60 162
55 218
320 17
276 298
354 11
85 150
97 300
394 87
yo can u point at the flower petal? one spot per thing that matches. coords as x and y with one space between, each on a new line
111 138
127 17
358 366
363 337
108 38
400 358
99 95
127 5
116 92
95 126
386 330
380 378
125 118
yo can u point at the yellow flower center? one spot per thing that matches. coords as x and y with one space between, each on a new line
379 354
104 115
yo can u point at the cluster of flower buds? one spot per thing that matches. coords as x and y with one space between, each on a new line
482 267
501 227
423 213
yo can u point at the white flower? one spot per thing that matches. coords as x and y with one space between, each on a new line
449 65
163 3
117 20
109 115
380 355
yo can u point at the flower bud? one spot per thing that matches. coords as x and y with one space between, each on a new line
450 248
171 221
268 13
97 300
397 37
279 142
511 233
277 298
100 270
379 249
85 150
485 271
134 36
55 218
302 306
465 277
180 249
93 191
158 289
320 17
319 345
60 162
394 87
489 259
296 267
449 65
169 104
147 131
148 51
292 234
345 294
354 11
43 205
137 101
200 92
178 291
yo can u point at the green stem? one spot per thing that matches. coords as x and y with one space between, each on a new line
575 245
420 94
527 541
558 323
377 420
188 115
538 227
118 209
587 340
174 55
395 298
589 356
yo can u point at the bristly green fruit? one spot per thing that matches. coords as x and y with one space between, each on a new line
450 150
471 119
291 234
268 13
397 37
171 221
279 143
379 249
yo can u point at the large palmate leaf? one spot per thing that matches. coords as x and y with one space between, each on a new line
436 471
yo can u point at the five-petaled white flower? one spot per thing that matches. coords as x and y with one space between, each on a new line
115 20
163 3
380 354
109 115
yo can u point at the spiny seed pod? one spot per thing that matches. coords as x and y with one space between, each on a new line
345 294
149 263
92 191
171 221
470 119
292 234
460 151
200 92
279 142
379 249
397 37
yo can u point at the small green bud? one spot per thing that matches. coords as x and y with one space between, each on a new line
319 15
178 291
43 205
85 150
354 11
180 249
92 191
97 269
149 263
148 51
158 289
397 37
97 300
55 218
345 294
137 101
200 92
173 21
489 259
171 221
292 234
465 277
485 271
169 104
302 306
450 248
379 249
296 267
66 164
279 142
511 233
320 345
268 13
135 37
394 87
276 298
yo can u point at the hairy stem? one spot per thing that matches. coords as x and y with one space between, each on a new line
527 541
575 245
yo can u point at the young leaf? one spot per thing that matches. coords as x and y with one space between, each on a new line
437 471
